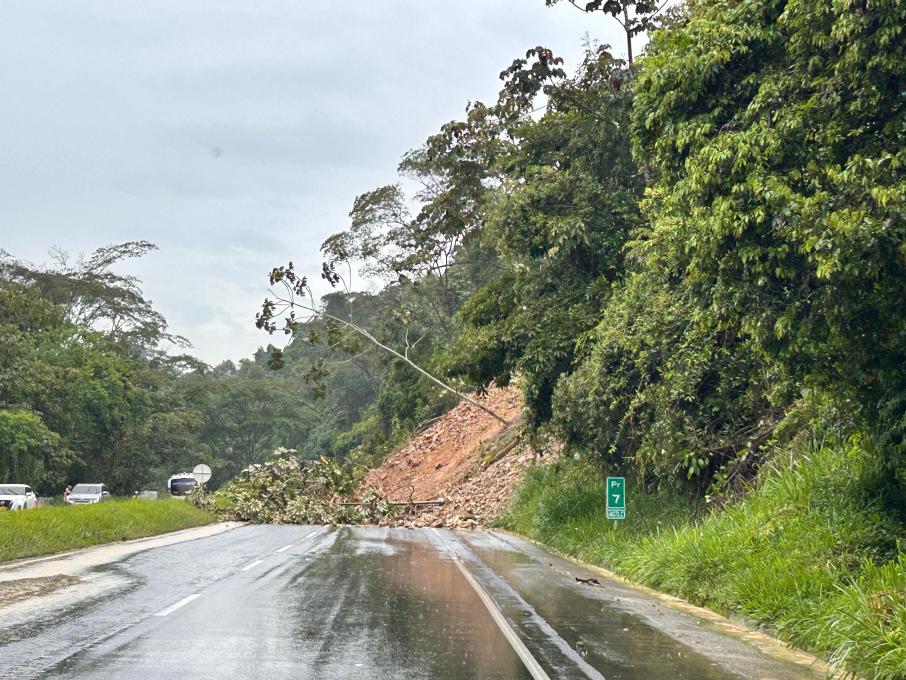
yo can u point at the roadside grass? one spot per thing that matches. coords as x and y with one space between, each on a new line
52 529
812 554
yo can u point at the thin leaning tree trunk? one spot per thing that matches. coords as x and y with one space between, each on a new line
364 333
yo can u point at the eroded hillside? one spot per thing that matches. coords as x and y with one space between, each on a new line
461 469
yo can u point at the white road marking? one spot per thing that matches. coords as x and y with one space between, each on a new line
530 662
314 533
304 538
186 600
182 603
252 565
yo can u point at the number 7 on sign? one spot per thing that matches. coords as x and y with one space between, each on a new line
616 498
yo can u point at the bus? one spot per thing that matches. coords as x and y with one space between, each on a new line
181 485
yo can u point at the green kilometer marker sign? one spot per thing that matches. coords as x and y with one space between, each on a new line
616 498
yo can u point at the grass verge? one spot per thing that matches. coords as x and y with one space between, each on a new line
54 529
811 554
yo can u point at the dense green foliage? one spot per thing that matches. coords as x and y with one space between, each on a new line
86 394
290 489
567 198
812 552
73 400
47 530
773 261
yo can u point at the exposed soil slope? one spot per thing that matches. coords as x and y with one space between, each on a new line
466 458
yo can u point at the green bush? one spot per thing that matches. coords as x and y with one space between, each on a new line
291 490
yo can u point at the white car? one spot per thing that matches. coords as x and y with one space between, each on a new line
17 497
84 494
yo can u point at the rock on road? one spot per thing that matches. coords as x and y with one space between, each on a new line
358 602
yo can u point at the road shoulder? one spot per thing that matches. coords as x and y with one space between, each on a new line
760 640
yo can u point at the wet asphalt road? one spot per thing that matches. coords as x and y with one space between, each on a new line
355 602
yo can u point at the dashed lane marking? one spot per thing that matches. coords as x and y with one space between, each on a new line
252 565
179 605
304 538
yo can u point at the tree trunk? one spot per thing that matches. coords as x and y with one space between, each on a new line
628 35
368 336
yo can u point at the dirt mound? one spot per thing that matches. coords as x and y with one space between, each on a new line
467 462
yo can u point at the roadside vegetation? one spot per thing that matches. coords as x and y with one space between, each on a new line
813 553
47 530
681 259
89 394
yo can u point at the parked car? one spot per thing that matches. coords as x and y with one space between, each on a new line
17 497
146 495
84 494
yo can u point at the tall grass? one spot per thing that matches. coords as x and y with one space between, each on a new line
53 529
811 553
562 505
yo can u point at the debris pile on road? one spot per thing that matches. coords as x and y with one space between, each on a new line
467 461
475 500
458 472
290 489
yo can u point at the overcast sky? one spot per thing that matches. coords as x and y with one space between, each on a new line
233 134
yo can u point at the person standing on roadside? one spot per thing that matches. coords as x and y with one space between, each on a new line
66 492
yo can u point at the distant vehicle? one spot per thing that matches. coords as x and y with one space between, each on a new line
181 484
146 495
85 494
17 497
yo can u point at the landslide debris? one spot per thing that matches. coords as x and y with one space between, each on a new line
458 472
466 461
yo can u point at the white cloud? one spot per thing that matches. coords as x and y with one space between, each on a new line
232 134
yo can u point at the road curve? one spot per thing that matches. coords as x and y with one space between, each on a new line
359 602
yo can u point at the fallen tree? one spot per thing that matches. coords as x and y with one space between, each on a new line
290 489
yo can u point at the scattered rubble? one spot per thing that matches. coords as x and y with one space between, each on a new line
440 456
466 459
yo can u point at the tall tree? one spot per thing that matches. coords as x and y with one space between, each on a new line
634 17
93 295
776 131
566 202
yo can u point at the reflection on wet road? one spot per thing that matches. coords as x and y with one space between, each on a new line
309 602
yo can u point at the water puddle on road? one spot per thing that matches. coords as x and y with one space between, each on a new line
401 612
